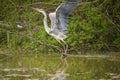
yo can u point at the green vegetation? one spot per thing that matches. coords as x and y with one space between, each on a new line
94 26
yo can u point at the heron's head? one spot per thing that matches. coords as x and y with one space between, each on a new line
39 10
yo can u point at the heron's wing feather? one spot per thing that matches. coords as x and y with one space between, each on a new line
63 14
52 17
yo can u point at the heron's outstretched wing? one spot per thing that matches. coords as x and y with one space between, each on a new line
63 14
52 17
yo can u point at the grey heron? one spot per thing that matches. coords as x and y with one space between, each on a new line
59 20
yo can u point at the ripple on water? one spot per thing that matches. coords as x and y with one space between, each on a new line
18 75
22 69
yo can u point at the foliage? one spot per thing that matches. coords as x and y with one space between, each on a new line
94 26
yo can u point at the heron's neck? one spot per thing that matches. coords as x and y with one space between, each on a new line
47 29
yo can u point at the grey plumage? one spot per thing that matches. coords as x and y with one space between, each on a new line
63 13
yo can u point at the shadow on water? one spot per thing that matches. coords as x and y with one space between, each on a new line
51 67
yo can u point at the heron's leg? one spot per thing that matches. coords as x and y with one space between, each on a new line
65 49
63 41
59 41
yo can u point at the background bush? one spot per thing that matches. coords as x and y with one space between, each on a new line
94 26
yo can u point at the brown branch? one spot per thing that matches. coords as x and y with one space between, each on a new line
12 2
4 24
36 3
82 3
110 20
43 43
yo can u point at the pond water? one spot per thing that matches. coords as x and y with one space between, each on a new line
30 66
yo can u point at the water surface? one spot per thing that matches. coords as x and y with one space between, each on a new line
30 66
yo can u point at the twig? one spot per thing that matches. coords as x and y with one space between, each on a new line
107 16
81 3
43 43
90 3
1 23
41 3
12 2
